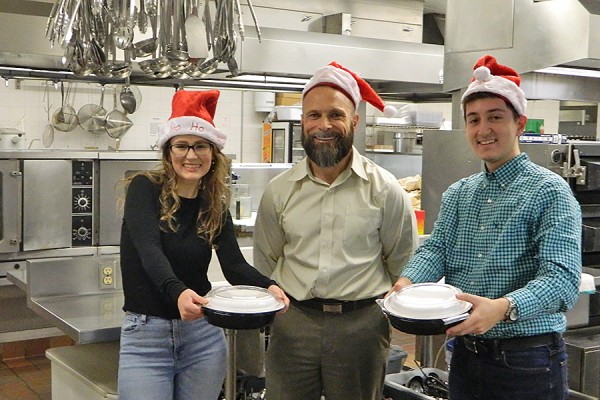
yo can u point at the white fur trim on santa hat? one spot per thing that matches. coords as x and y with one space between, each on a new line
486 82
189 125
338 77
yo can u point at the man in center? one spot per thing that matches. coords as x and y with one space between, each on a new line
334 231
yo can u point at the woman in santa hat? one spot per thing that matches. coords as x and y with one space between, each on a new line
174 217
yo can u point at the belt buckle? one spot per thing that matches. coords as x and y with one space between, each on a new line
332 308
470 344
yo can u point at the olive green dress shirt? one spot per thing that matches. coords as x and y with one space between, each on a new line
346 241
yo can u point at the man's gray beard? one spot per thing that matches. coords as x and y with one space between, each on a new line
328 154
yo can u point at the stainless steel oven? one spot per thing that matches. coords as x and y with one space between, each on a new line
61 199
37 204
114 167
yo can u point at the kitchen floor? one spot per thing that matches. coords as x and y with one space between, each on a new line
28 377
25 379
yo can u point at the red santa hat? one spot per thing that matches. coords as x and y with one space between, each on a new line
489 76
352 85
192 114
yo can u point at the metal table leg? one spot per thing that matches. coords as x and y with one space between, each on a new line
427 353
231 376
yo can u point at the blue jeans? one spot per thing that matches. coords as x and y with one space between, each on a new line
535 373
170 359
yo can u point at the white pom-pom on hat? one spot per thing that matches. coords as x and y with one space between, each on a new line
482 74
389 111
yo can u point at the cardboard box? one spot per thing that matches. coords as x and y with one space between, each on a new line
288 99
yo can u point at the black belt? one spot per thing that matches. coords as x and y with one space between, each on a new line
333 306
481 345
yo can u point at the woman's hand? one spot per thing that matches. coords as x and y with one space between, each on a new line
189 304
280 295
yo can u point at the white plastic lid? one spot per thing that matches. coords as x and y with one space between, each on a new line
426 301
242 299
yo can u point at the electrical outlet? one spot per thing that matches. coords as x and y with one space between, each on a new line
106 272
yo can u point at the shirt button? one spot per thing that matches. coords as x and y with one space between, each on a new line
489 200
479 255
482 228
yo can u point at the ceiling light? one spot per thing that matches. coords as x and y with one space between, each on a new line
587 73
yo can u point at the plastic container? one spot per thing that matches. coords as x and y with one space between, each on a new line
396 359
288 113
420 214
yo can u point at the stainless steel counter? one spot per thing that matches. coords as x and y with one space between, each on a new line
84 318
19 278
68 292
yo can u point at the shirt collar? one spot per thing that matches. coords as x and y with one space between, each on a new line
509 171
303 169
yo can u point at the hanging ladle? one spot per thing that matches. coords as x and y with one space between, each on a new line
127 98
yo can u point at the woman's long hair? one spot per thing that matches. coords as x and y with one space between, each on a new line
213 189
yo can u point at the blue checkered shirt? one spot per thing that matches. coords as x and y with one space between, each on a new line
515 231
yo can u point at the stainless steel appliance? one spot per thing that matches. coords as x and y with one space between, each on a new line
583 349
46 200
113 167
54 199
447 158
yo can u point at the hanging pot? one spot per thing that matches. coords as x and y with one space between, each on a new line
241 307
425 308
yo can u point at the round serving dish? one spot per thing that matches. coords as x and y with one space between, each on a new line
425 308
241 307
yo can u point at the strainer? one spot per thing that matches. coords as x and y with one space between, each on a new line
65 118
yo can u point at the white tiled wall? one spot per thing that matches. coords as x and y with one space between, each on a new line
22 106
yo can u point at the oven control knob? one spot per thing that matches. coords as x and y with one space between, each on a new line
82 202
81 233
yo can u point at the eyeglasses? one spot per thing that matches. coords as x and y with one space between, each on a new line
181 149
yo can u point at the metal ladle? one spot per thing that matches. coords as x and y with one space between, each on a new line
127 98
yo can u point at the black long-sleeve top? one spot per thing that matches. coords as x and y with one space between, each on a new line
157 266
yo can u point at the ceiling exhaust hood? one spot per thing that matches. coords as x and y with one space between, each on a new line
395 69
528 36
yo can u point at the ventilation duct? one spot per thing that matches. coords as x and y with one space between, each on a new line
398 69
528 36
